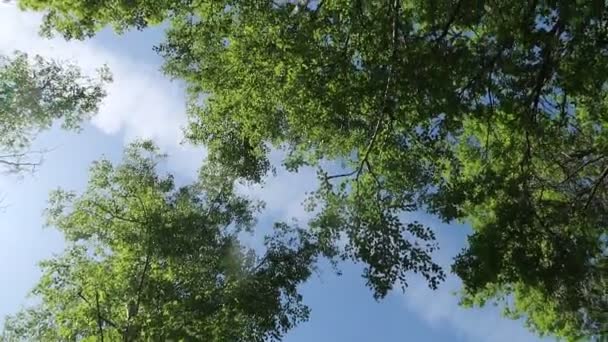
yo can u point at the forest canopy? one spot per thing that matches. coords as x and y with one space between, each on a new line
487 112
37 93
148 260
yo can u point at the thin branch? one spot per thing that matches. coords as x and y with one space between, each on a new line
318 7
262 262
13 155
488 124
579 153
448 24
141 203
490 64
112 324
371 171
18 164
370 145
582 166
545 70
99 319
525 164
340 175
115 215
141 282
131 194
214 204
383 110
596 186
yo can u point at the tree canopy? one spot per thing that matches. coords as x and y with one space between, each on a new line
491 112
147 260
36 93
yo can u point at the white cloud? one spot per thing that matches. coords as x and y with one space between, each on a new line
285 192
440 308
141 102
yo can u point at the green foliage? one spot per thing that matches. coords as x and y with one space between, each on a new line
36 93
492 112
80 19
146 260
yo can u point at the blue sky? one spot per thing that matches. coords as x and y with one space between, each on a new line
142 103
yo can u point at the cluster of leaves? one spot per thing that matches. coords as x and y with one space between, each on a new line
148 261
314 78
493 112
36 93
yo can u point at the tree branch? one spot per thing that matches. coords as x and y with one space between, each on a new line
261 262
141 282
383 109
545 69
596 186
99 319
108 321
115 215
17 165
582 166
369 146
340 175
448 24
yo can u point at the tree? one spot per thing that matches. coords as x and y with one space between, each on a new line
36 93
146 260
490 112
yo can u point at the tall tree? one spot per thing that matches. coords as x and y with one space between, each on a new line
36 93
146 260
491 112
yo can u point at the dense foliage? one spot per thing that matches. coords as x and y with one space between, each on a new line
36 93
148 261
493 112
